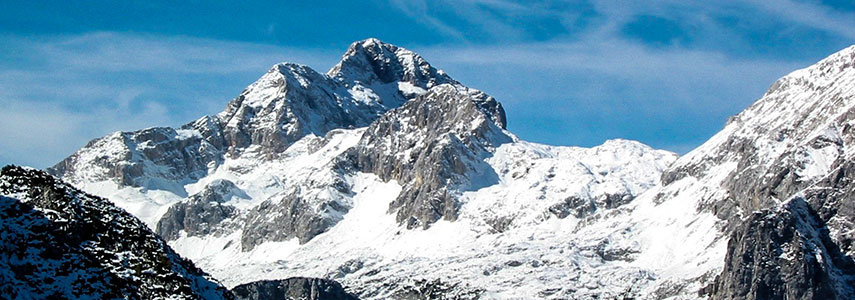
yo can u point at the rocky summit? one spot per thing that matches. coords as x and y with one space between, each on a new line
385 178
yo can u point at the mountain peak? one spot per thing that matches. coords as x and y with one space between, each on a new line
372 61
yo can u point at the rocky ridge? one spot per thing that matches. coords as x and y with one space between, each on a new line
59 242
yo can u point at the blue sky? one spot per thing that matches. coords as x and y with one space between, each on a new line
667 73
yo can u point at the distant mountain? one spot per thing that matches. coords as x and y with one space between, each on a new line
389 176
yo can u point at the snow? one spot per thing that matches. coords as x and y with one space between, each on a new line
462 250
408 88
147 205
532 177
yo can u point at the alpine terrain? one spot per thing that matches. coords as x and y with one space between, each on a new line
385 178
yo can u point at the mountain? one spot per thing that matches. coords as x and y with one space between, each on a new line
61 243
389 176
359 173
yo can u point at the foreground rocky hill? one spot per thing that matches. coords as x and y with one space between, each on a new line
61 243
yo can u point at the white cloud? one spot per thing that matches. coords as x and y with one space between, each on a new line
418 11
70 89
810 14
107 51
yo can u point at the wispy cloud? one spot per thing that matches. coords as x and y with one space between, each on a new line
62 91
108 51
613 88
810 14
600 82
566 70
418 10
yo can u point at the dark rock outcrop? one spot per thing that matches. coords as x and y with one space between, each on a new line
422 289
202 213
371 62
583 207
289 218
60 242
296 288
785 254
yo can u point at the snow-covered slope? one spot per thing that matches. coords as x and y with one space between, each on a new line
521 220
790 147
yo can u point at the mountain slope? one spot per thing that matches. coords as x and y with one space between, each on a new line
774 177
434 146
63 243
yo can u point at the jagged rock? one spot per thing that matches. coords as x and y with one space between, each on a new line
582 207
784 156
287 103
202 213
61 242
371 61
291 217
831 198
422 289
296 288
435 146
156 158
772 146
785 253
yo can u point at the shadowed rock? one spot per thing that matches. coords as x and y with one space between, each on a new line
296 288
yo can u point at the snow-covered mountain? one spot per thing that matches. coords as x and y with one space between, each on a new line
387 175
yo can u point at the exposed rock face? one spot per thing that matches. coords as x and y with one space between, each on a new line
295 288
287 103
201 213
292 217
831 198
81 246
372 62
785 253
157 158
434 146
437 289
582 207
